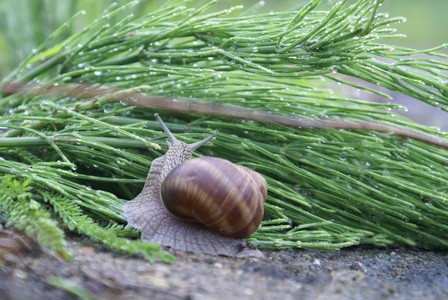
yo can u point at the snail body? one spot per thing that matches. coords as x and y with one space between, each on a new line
201 205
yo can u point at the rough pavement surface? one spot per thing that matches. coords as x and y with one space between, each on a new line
353 273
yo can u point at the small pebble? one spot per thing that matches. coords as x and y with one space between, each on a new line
218 265
248 292
316 262
358 266
20 274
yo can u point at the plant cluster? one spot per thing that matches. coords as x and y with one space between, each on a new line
327 188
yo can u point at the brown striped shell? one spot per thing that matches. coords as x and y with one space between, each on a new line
226 198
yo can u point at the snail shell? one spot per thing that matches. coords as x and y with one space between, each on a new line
226 198
235 212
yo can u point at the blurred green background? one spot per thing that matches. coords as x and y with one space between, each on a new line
24 24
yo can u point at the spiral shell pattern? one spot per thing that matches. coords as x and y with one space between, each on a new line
226 198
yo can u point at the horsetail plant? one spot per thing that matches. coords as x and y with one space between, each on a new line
330 186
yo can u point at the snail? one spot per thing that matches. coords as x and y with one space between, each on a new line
203 205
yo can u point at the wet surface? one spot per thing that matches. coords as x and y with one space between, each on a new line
353 273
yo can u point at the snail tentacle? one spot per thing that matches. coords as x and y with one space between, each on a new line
165 129
196 145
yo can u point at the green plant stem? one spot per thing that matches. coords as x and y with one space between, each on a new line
77 120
